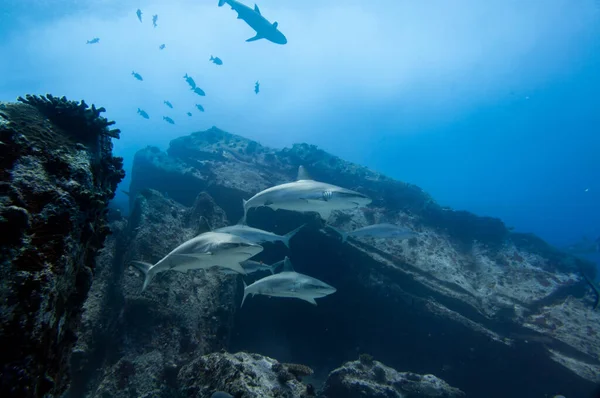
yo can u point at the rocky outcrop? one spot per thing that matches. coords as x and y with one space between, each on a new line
140 339
241 375
467 298
57 174
368 378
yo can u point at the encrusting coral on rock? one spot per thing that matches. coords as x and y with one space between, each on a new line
57 174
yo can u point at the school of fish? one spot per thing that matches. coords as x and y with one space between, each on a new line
252 16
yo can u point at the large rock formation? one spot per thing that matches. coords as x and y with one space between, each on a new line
369 378
57 174
467 299
140 339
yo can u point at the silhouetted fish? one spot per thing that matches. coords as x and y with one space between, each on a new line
216 60
137 76
154 19
167 103
168 119
93 41
143 113
256 87
199 91
139 14
200 107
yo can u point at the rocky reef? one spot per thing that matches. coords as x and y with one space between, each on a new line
57 175
467 299
369 378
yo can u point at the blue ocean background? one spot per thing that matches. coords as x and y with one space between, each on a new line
491 107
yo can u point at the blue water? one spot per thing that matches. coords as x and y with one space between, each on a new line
491 107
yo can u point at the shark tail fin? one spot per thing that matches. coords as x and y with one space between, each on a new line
243 219
245 293
144 268
289 235
343 235
221 3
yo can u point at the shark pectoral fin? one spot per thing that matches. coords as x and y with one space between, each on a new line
235 267
309 299
257 37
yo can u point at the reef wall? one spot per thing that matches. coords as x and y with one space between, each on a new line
57 174
467 299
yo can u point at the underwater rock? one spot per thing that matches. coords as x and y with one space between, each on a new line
241 375
179 317
358 379
57 174
466 285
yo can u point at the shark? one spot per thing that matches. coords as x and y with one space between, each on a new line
306 194
382 230
264 29
204 251
258 235
251 266
289 283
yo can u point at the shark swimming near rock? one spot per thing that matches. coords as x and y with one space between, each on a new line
306 194
264 29
289 283
258 235
206 250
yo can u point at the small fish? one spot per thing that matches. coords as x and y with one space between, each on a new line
161 47
154 19
216 60
137 76
168 119
256 87
190 81
382 230
200 107
189 113
143 113
139 14
202 252
289 283
258 235
221 394
199 91
168 103
586 190
93 41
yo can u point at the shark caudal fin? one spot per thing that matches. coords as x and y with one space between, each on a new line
144 268
289 235
243 219
343 235
222 2
245 293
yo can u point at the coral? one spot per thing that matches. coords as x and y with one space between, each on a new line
54 193
72 116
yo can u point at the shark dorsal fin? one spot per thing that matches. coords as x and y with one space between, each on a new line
256 9
275 24
303 174
287 265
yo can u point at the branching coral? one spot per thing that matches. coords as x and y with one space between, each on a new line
73 116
